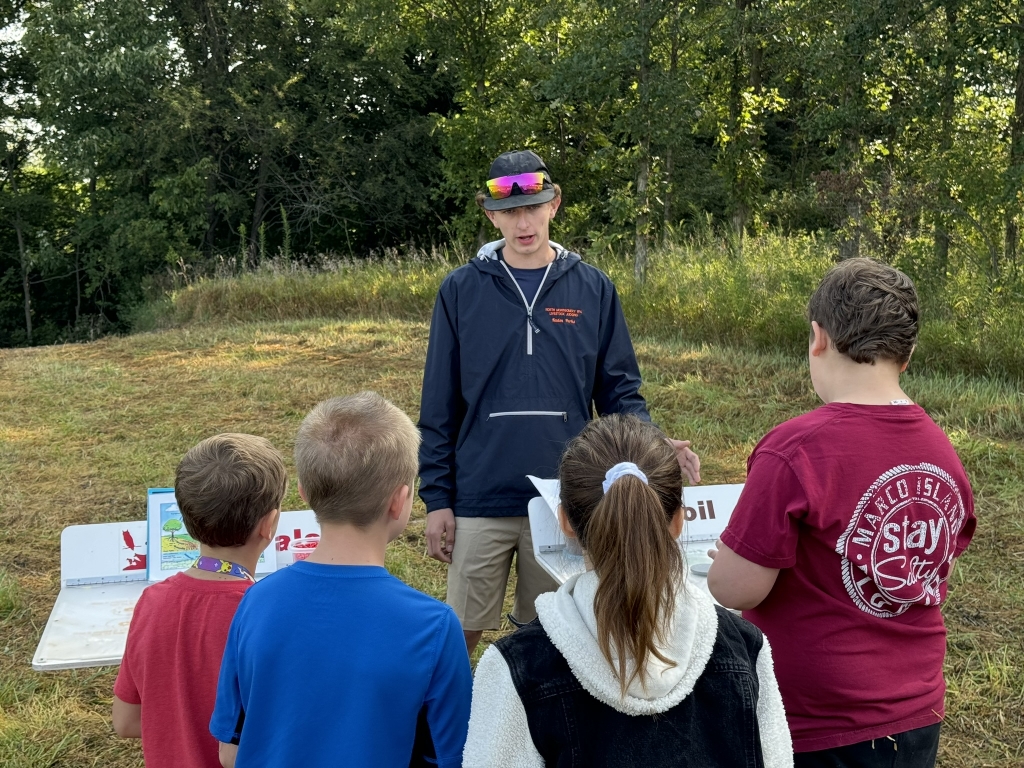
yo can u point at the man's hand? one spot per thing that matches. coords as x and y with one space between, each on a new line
441 534
689 461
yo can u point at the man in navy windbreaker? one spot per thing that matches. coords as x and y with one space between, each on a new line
527 343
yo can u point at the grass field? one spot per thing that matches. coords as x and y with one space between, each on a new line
86 429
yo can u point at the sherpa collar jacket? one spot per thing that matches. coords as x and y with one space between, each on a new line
507 383
546 696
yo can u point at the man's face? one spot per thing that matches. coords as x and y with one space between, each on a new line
525 228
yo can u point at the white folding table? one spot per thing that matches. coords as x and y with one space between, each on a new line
102 575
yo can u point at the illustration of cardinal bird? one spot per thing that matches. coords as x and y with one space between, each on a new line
137 562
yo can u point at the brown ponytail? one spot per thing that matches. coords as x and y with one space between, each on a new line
625 532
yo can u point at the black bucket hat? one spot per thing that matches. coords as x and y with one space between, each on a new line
511 164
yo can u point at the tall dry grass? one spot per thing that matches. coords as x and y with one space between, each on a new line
700 290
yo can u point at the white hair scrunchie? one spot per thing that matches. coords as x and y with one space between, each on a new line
621 470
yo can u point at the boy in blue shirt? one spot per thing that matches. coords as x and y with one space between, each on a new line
333 661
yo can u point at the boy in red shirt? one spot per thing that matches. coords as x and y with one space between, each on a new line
229 489
843 540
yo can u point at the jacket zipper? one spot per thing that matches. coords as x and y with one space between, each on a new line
563 414
530 325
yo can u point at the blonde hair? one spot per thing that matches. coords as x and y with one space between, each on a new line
226 484
626 535
351 454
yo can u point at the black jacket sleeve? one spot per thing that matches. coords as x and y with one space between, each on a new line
441 407
617 384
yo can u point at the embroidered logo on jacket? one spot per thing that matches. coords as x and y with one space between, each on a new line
562 315
898 548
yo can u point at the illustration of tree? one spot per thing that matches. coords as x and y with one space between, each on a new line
172 525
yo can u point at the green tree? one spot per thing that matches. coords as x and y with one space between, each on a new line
172 525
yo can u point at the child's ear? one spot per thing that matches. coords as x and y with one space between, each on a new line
267 526
903 367
396 507
819 339
302 493
675 525
563 523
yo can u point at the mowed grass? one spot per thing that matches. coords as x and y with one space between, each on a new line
86 429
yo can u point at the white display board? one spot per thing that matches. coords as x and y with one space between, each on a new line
706 511
102 573
103 553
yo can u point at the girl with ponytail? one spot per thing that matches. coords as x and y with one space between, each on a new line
626 664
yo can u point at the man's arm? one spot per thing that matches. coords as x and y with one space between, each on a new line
617 379
127 719
441 414
737 583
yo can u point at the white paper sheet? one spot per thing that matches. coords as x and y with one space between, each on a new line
706 512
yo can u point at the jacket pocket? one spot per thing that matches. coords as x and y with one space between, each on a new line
501 414
509 440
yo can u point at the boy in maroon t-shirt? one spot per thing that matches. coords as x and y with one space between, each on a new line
845 534
229 489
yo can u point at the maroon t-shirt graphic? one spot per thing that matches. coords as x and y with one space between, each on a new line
864 508
899 546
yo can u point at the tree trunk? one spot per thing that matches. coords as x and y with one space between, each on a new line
756 59
941 236
643 170
211 214
740 206
258 212
1016 169
667 215
24 274
948 107
849 247
673 66
640 249
78 286
211 39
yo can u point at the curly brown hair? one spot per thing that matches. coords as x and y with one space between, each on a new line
868 309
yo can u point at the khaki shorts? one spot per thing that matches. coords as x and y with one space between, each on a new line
481 562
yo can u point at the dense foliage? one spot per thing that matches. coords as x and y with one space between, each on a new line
141 140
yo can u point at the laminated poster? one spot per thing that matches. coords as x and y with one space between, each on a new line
171 549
